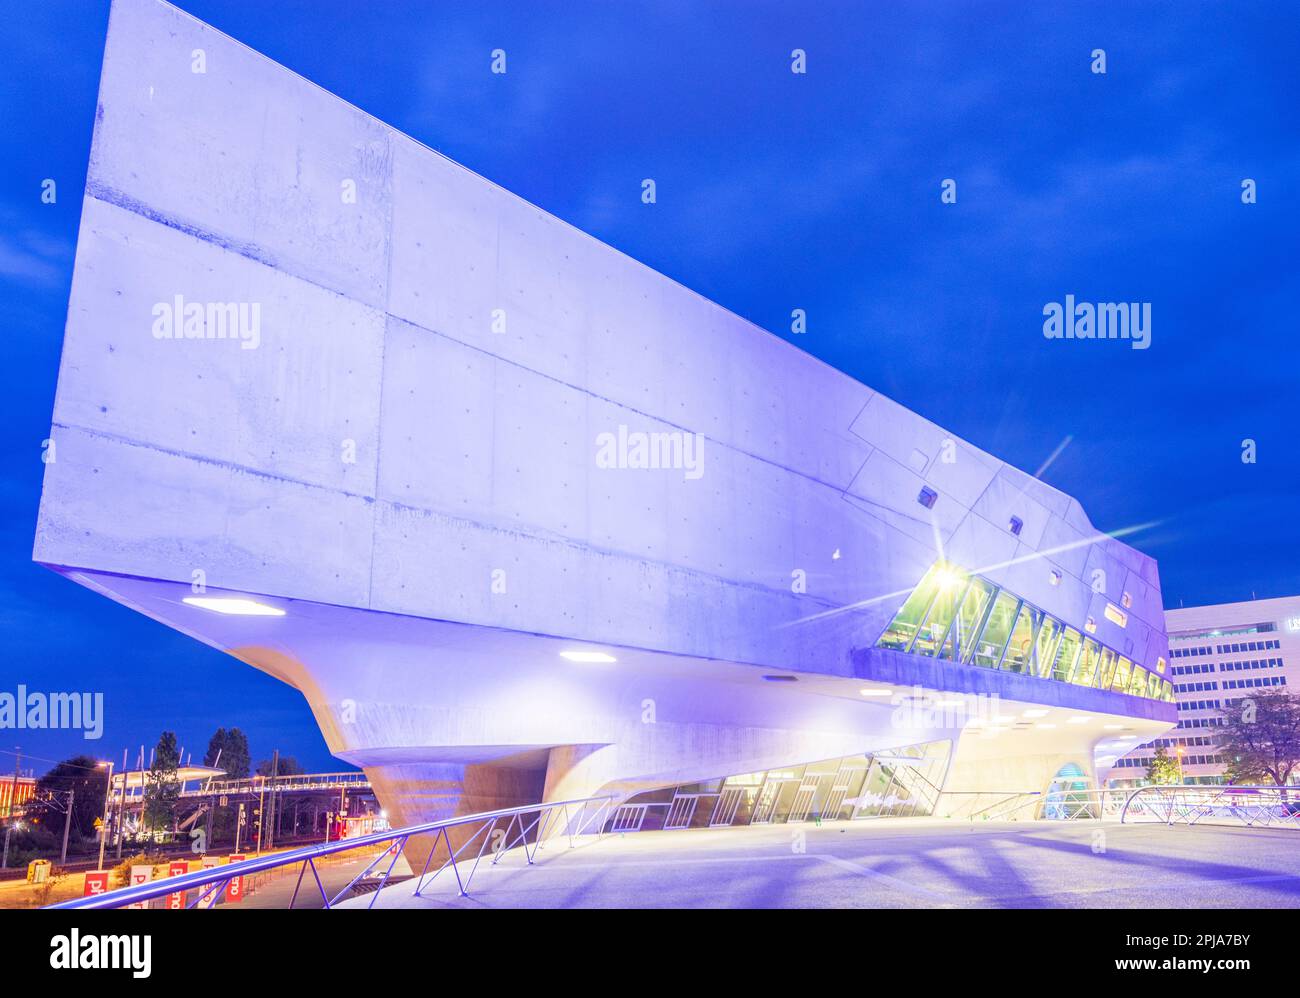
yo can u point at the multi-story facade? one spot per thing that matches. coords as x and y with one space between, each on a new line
1217 656
15 791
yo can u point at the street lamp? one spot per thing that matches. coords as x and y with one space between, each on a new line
9 830
103 831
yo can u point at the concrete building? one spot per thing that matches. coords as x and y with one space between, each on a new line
524 519
1218 656
15 791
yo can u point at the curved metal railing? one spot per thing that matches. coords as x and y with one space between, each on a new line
568 818
1057 805
1194 804
1189 804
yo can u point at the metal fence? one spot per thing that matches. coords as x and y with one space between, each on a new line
1250 807
527 828
1188 804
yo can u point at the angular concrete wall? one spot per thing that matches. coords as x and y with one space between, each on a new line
471 450
411 444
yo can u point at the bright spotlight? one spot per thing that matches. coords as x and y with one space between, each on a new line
233 605
587 656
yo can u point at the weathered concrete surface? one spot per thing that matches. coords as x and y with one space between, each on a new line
474 449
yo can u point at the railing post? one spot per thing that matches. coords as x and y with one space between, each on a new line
397 851
451 858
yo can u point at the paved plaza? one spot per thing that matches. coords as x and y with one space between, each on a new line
893 864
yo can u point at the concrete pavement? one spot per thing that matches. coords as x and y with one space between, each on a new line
895 864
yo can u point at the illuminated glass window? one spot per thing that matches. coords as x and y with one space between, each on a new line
1045 648
903 627
960 617
1123 674
1107 671
960 641
1085 673
1066 653
1138 684
1021 646
951 588
993 639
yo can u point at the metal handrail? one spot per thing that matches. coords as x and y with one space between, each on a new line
212 882
1079 802
1041 801
1004 796
1006 805
1189 803
1193 804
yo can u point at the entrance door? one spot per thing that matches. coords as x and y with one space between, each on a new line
765 806
728 804
803 800
844 781
681 812
628 818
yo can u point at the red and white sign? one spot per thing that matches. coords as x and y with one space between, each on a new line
141 874
235 889
176 900
96 883
205 899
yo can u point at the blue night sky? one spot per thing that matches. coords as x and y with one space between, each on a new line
777 191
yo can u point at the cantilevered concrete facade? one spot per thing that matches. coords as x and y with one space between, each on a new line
423 445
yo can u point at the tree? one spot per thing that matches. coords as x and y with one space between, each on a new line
228 750
1163 769
289 766
162 789
88 782
1260 738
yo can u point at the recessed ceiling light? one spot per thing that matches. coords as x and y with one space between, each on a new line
782 679
868 691
1080 720
588 656
1036 713
233 605
1040 725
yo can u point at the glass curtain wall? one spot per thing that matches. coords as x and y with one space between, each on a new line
897 783
964 618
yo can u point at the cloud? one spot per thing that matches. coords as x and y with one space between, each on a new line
33 257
